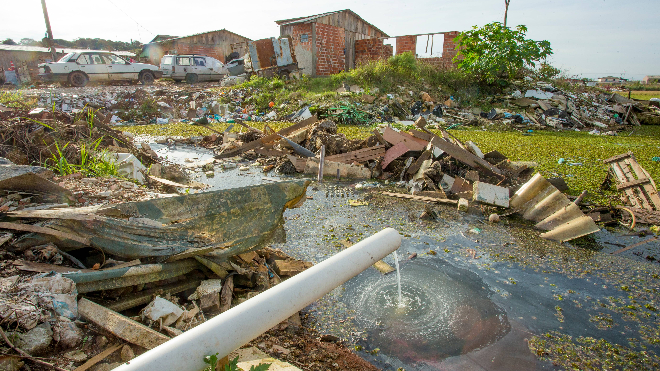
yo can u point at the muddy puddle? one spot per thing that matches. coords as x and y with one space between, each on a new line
476 293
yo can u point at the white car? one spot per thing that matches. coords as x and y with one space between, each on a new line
192 68
79 68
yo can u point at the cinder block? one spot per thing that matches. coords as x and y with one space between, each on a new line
490 194
463 205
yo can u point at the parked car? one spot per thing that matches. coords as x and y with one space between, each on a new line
79 68
192 68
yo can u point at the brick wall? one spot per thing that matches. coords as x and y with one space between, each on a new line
449 46
371 50
330 53
302 50
406 44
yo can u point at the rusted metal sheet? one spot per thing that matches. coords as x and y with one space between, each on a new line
248 216
262 54
282 51
393 153
540 201
394 137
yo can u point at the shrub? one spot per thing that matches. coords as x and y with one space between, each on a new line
494 52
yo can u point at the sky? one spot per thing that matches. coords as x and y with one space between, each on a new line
589 38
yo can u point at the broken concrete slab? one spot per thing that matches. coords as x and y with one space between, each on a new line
463 205
162 310
120 326
490 194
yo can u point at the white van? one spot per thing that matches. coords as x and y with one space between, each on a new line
192 68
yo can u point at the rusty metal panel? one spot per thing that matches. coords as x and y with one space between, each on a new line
265 54
282 51
247 217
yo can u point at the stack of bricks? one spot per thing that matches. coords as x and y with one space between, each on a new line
368 50
406 44
330 49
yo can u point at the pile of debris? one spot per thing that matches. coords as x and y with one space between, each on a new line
433 169
94 257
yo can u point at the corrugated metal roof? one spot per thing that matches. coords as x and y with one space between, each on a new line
40 49
312 18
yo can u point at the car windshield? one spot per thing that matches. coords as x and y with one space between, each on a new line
66 57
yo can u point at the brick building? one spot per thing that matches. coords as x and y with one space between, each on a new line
325 44
374 49
216 44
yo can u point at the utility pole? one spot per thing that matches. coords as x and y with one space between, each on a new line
50 33
506 10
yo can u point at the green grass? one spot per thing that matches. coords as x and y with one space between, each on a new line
640 94
546 148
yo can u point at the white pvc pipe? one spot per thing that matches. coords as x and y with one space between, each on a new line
230 330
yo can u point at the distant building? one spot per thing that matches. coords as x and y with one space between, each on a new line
611 80
651 79
324 44
216 44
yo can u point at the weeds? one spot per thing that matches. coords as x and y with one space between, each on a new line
92 162
212 360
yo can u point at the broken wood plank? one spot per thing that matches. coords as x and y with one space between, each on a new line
411 142
359 156
421 135
269 152
418 163
44 230
120 326
393 153
380 138
438 193
635 245
421 198
633 183
99 357
29 266
213 266
464 156
330 168
269 138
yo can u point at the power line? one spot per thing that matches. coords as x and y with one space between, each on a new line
136 22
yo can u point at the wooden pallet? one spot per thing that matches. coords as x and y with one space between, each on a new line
634 181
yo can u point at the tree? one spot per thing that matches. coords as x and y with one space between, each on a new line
494 51
29 42
506 10
9 41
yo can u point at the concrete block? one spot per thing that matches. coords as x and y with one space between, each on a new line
463 205
472 147
490 194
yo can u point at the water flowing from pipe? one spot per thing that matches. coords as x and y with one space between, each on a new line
398 279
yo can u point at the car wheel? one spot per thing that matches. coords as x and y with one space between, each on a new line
77 79
147 78
192 78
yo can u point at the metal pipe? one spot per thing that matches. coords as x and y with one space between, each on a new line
230 330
